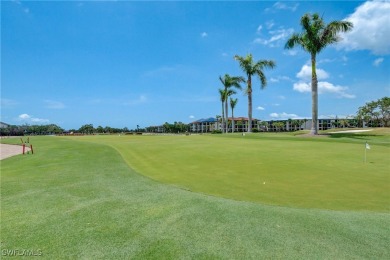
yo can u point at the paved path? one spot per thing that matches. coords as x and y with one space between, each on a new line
8 150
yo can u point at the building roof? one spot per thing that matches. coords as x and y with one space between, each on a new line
214 120
243 119
4 125
205 120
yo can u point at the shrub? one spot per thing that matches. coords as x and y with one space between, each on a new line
216 132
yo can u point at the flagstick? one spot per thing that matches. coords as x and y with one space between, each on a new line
365 153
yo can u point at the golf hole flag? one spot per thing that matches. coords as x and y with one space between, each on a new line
367 147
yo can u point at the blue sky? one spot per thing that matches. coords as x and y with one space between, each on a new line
123 64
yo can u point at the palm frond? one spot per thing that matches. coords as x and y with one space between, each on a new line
222 95
329 35
316 35
294 40
262 78
233 102
229 92
228 81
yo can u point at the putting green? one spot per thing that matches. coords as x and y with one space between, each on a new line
327 173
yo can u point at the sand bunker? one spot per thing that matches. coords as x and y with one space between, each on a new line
350 131
8 150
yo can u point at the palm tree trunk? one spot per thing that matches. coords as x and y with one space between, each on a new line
232 121
227 116
222 118
249 104
314 96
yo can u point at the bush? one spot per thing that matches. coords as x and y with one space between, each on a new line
255 130
216 132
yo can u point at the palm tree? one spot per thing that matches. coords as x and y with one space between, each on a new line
228 82
264 125
315 36
233 103
222 97
228 93
251 68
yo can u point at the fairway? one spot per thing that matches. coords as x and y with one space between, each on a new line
88 197
273 169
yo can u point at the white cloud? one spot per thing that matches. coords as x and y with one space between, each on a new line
326 61
305 73
24 116
260 41
284 115
340 91
30 119
276 37
284 6
371 28
378 61
39 120
270 24
191 117
304 83
302 87
51 104
259 28
203 34
323 88
282 97
279 78
260 108
290 52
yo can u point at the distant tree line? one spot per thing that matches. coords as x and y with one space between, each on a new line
15 130
375 113
176 127
372 114
90 129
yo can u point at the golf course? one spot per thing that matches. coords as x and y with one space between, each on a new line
262 195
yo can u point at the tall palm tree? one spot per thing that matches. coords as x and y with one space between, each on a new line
233 103
228 93
315 36
230 82
251 68
222 97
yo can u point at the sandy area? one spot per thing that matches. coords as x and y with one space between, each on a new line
8 150
350 131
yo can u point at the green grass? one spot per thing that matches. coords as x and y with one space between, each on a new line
79 198
327 173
